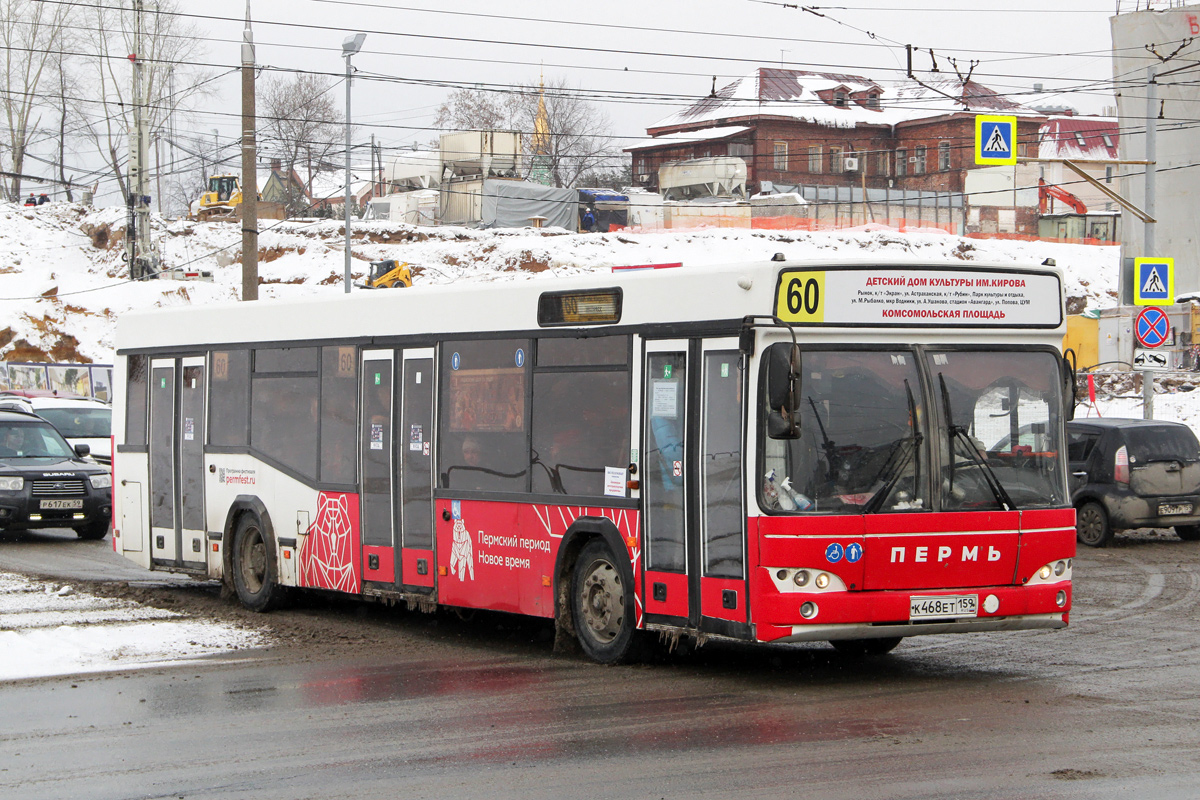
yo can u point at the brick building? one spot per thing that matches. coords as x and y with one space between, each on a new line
814 128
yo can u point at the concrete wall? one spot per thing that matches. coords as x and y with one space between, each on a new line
1177 201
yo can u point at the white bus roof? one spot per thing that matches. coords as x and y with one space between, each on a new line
857 293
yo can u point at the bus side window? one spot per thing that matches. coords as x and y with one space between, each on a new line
138 383
228 415
339 414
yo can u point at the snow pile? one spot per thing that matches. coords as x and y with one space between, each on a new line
48 630
63 278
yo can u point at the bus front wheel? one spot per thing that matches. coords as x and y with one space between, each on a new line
603 605
254 573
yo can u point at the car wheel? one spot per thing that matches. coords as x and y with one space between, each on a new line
254 574
603 605
865 647
1189 533
93 530
1091 525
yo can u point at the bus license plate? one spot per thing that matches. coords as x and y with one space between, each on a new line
1166 509
962 605
61 505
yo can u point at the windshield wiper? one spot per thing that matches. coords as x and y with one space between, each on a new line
903 451
960 433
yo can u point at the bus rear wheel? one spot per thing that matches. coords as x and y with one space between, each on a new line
254 573
603 606
865 647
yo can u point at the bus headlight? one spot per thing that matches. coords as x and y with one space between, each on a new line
1060 567
808 610
1044 572
1060 599
822 580
801 578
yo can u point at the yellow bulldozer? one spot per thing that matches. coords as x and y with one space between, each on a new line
389 274
222 199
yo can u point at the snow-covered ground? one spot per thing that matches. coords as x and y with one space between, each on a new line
49 629
63 284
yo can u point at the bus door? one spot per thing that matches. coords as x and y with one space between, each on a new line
375 454
720 514
177 414
691 484
414 512
665 482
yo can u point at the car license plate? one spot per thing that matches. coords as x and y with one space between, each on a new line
1165 509
60 505
960 605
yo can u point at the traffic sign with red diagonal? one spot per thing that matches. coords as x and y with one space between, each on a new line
1152 327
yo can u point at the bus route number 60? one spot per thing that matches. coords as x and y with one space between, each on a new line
800 297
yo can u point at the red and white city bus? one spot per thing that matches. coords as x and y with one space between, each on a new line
778 451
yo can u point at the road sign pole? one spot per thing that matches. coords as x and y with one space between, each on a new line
1147 395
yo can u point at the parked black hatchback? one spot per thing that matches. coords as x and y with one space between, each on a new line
44 483
1133 473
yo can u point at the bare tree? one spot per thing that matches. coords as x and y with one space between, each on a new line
580 137
479 110
168 42
301 122
31 34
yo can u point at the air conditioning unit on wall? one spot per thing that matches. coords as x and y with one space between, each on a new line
850 165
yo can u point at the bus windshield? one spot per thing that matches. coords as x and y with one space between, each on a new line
865 445
1003 424
862 423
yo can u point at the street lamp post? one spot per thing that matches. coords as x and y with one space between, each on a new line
350 46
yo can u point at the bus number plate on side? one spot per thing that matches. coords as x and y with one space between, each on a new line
963 605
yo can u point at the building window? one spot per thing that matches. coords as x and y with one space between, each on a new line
943 156
881 163
901 163
835 159
814 159
839 98
781 156
873 100
1108 142
1079 138
919 164
1108 174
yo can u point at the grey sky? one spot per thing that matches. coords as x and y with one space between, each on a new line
643 59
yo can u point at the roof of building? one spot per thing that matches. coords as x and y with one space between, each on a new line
810 97
1074 137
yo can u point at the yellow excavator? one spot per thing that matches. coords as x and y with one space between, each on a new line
390 274
222 199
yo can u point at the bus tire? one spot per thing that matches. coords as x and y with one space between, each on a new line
865 647
255 577
603 605
1091 525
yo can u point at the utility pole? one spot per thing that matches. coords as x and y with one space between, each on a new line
1148 226
249 205
143 263
350 46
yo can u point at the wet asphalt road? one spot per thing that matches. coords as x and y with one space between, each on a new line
438 707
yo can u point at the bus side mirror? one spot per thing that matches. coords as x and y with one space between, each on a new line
1070 384
783 392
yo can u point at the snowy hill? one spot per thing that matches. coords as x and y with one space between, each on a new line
63 279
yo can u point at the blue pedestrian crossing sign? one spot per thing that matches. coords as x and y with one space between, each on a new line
995 140
1153 281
